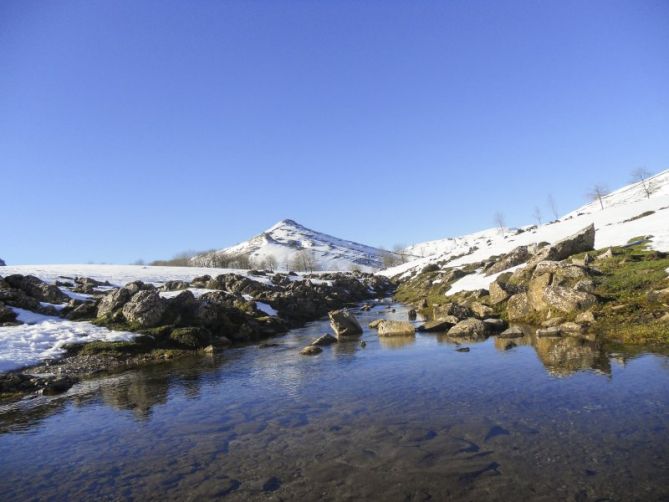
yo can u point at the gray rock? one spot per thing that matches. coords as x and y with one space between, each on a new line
583 240
439 325
36 288
518 307
344 323
515 257
498 293
396 328
6 314
112 301
145 309
469 328
568 300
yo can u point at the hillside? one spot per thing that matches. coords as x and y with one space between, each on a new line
628 212
286 241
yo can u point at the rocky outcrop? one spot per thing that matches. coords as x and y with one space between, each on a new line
581 241
567 300
518 307
396 328
344 323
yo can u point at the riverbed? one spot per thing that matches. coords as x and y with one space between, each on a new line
391 419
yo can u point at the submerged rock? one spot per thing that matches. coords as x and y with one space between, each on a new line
311 350
326 339
512 332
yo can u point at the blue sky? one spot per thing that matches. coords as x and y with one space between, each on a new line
137 129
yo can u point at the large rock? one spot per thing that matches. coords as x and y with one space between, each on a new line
498 293
482 311
344 323
451 309
568 300
191 338
469 328
145 309
113 301
515 257
396 328
443 324
518 307
581 241
326 339
6 314
36 288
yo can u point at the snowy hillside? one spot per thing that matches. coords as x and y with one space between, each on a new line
285 240
628 212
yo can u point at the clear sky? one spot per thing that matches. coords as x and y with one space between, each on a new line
138 129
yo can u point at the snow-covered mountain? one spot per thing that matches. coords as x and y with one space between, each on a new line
634 210
287 240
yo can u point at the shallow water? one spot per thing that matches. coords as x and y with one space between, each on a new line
398 419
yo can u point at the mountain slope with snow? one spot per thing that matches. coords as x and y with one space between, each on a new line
628 212
285 240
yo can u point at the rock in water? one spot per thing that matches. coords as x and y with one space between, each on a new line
512 332
469 328
396 328
311 350
344 323
375 323
326 339
439 325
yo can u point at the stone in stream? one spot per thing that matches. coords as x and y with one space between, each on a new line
512 332
471 328
463 349
375 323
311 350
344 323
326 339
396 328
494 325
443 324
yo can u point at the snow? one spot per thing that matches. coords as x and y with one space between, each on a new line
120 275
43 337
286 238
611 226
266 308
197 292
477 280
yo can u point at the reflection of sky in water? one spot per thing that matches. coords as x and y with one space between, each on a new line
406 417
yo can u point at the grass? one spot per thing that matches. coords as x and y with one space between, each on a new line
628 313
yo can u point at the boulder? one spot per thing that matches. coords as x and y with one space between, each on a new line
515 257
326 339
469 328
586 317
112 301
443 324
36 288
375 323
6 314
518 307
86 310
567 300
498 293
481 311
145 309
396 328
512 332
494 325
344 323
581 241
451 309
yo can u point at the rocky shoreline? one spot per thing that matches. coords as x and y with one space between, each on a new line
174 319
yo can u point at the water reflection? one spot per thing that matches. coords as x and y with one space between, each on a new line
253 423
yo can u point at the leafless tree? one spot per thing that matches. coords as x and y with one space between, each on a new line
270 263
303 261
399 250
500 222
597 193
537 214
553 207
641 175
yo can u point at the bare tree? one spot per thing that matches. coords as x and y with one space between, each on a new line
303 261
389 258
597 193
537 214
500 222
553 207
399 250
270 262
641 175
